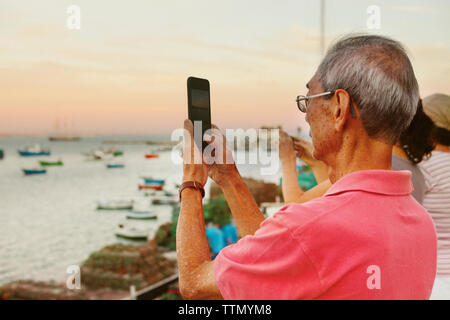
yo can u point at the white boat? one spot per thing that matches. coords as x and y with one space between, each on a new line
162 196
133 232
150 193
155 200
270 208
115 205
35 150
99 154
162 148
141 215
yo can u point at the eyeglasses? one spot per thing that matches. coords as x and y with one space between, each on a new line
302 101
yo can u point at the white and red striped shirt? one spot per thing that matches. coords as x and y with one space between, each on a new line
436 171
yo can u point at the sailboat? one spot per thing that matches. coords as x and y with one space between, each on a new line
65 136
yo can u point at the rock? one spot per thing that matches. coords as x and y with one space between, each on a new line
262 191
120 266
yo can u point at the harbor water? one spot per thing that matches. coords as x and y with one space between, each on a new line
49 222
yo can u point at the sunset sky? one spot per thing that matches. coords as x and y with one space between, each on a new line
125 71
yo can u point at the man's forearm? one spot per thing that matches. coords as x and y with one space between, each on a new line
244 209
192 245
292 192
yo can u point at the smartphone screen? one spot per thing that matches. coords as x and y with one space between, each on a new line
199 108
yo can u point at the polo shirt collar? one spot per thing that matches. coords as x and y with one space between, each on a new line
386 182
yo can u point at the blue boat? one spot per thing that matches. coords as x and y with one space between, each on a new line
30 154
115 165
29 172
154 181
35 150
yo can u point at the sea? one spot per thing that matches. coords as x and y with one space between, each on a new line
50 222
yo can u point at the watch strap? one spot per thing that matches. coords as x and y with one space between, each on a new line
193 185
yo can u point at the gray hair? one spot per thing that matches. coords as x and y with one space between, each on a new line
377 74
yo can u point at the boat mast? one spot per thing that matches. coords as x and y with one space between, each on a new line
66 130
56 128
322 27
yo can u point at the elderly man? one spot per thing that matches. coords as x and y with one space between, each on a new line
366 238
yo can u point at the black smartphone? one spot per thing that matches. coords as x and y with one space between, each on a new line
199 106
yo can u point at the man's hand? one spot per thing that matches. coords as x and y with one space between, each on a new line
219 157
193 167
195 268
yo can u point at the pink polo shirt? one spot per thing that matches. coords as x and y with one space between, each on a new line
366 238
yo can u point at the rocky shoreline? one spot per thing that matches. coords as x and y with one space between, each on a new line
109 273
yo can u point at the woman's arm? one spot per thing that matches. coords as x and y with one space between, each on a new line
292 193
304 151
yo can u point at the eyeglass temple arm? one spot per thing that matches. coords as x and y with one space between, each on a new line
352 108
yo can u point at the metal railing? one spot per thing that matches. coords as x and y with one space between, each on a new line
153 291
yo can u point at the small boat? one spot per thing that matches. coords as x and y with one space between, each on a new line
117 153
151 155
64 138
161 193
51 163
132 232
115 165
163 197
141 215
150 193
98 154
150 186
35 150
149 180
2 154
162 148
29 172
115 205
155 200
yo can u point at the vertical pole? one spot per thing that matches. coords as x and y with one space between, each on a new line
322 27
132 292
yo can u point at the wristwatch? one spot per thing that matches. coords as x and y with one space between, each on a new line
193 185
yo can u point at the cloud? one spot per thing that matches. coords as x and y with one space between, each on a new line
41 31
119 77
414 8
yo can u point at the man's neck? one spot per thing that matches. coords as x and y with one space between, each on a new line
361 153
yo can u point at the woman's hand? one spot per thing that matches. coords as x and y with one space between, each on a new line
193 167
286 146
304 151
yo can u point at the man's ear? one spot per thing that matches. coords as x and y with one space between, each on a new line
342 109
